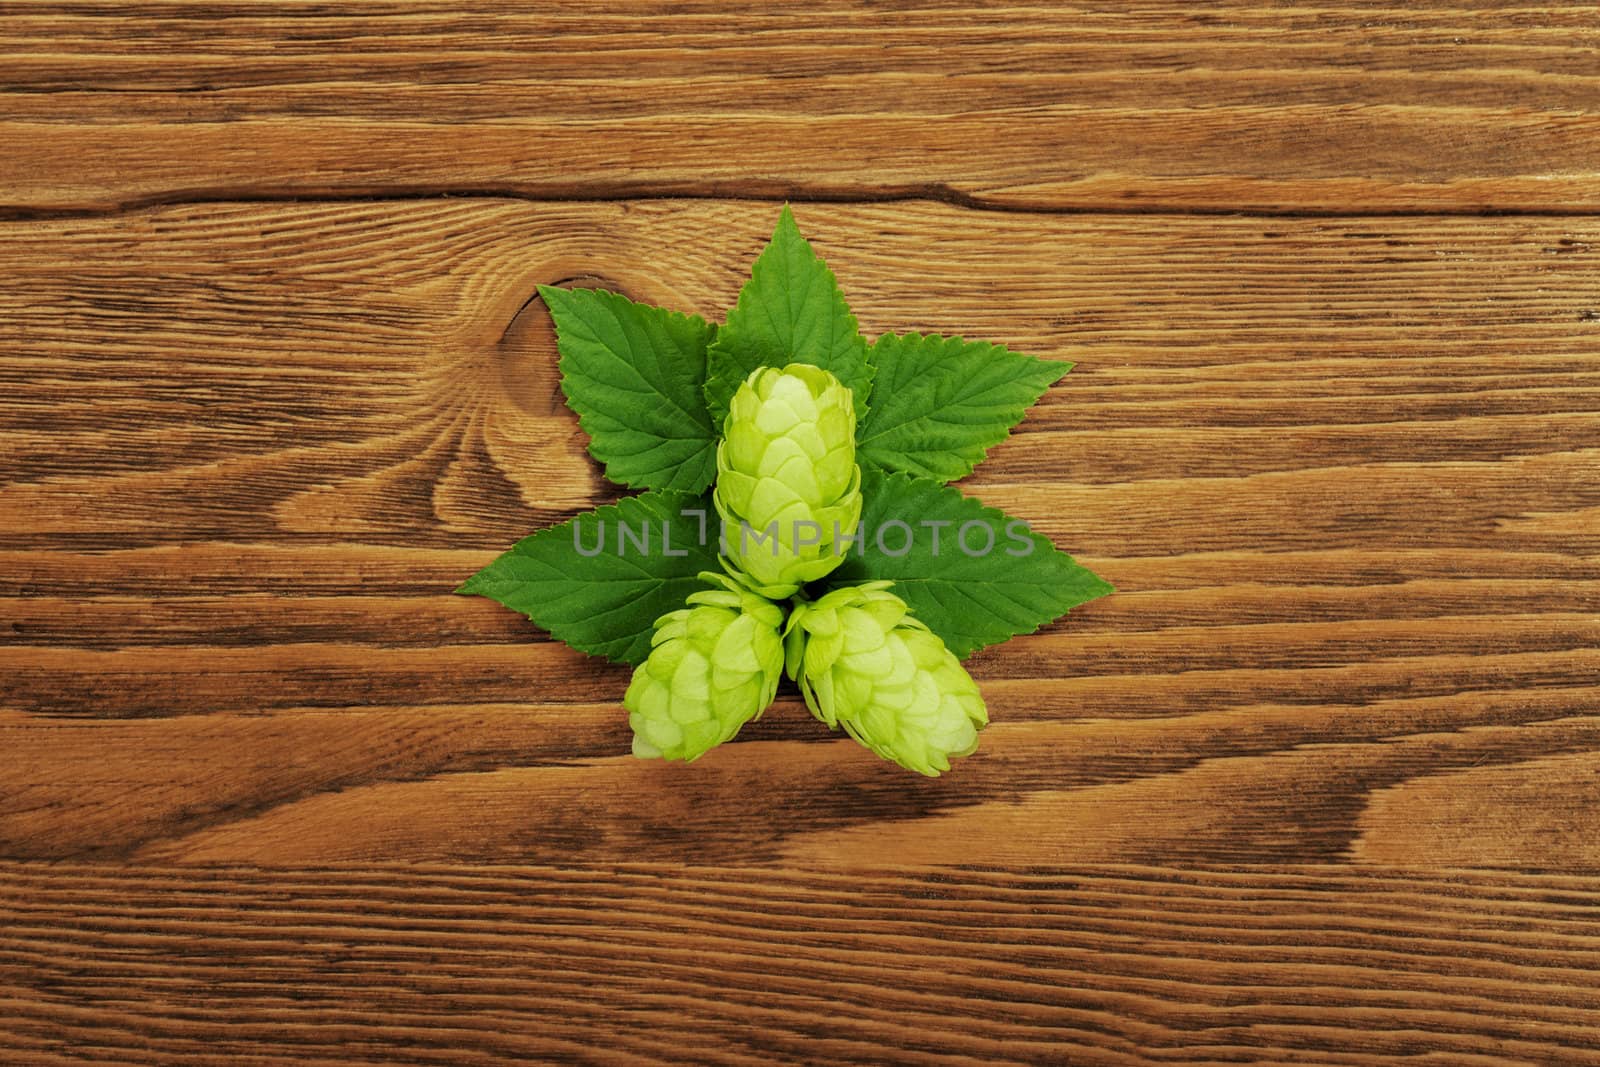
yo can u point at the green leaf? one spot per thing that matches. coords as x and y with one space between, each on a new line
790 311
607 603
634 375
970 599
940 403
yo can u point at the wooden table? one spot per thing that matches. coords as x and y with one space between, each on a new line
1320 784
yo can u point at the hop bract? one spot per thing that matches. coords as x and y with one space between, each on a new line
713 667
788 487
862 661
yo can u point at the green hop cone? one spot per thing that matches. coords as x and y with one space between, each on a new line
788 486
864 662
713 667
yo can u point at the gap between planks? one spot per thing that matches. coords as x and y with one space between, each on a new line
936 193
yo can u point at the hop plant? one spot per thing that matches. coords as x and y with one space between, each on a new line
713 666
788 486
761 409
864 662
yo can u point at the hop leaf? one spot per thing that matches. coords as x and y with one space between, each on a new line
986 579
632 373
790 311
714 667
864 663
788 485
600 580
940 403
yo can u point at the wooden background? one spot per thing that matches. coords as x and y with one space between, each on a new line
1320 784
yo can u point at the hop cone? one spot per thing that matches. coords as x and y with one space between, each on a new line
713 667
863 661
788 487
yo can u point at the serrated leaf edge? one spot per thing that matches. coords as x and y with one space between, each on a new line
733 382
636 507
963 454
565 366
988 511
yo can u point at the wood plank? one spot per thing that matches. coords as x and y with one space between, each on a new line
1331 108
245 369
647 963
1287 781
1342 471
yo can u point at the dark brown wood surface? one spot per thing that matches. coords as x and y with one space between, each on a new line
1320 783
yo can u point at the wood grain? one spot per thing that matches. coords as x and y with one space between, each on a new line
1332 108
1317 785
658 963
